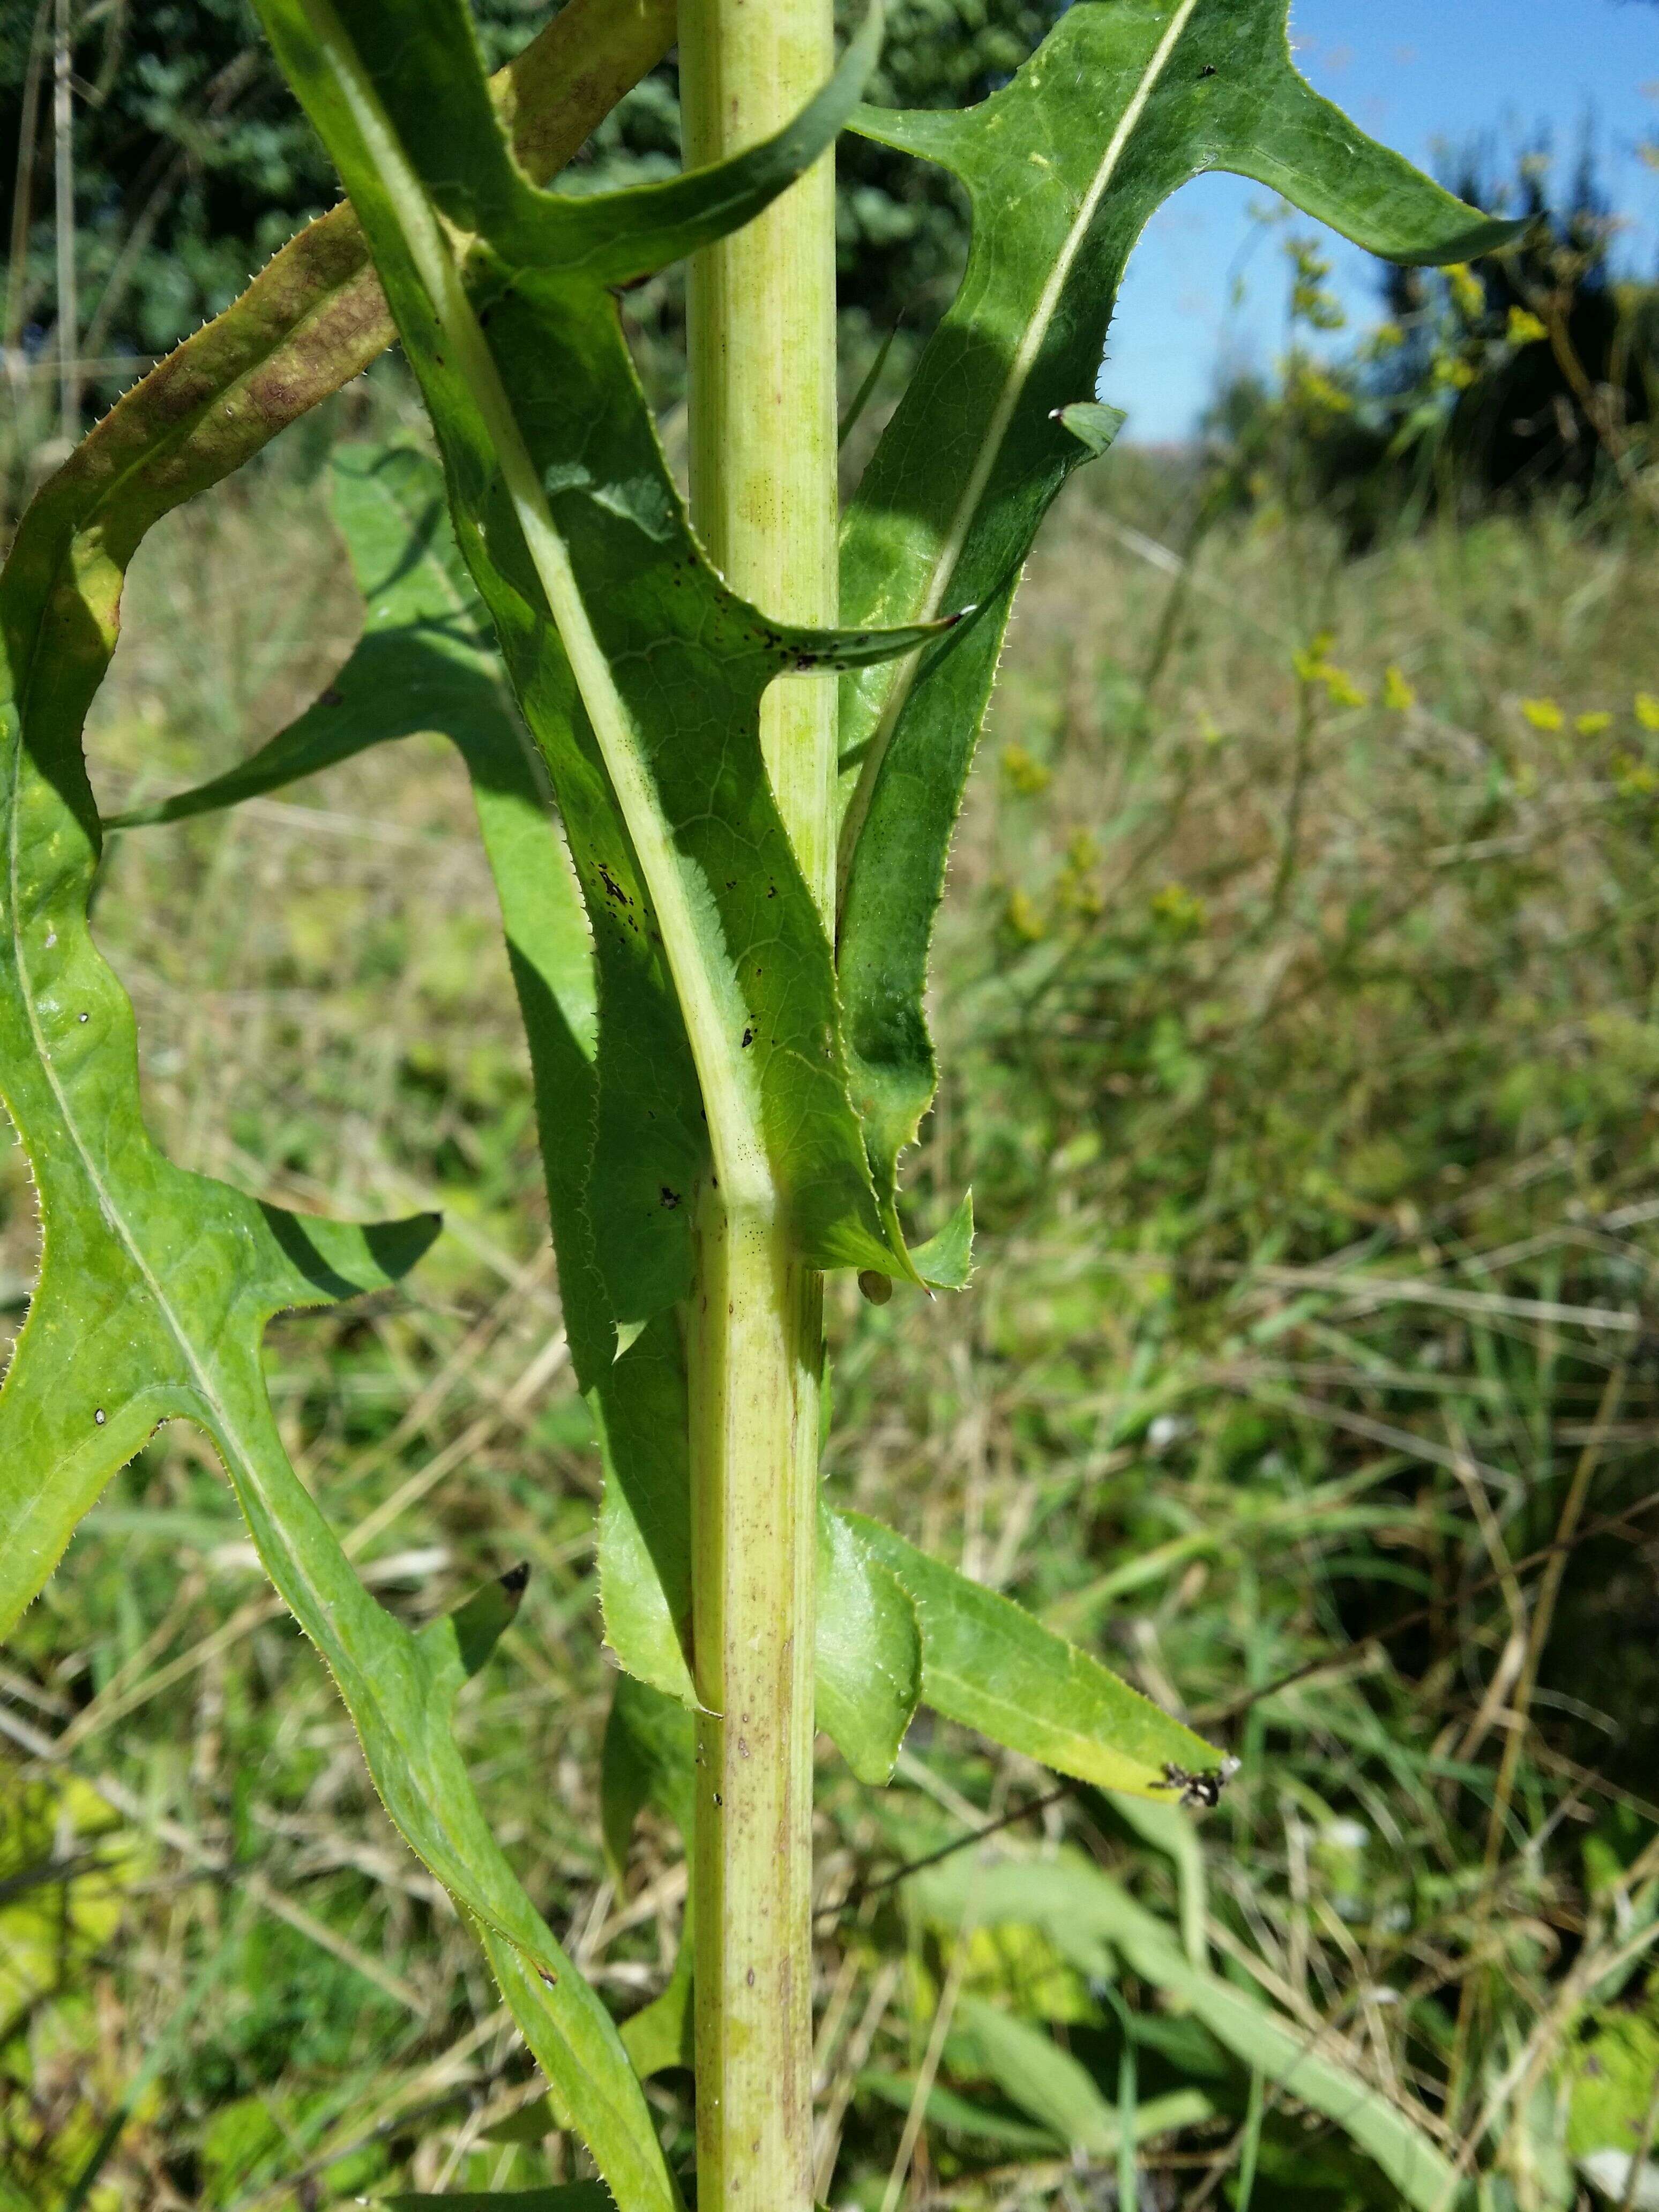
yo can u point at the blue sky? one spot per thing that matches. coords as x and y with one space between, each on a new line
1424 74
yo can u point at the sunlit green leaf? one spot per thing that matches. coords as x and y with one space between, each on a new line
985 1663
156 1285
424 664
869 1653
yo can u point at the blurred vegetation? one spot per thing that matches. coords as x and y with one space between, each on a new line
1533 374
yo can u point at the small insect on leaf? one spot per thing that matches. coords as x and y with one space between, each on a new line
1204 1788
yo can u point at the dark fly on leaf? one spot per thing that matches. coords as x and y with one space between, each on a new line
1203 1789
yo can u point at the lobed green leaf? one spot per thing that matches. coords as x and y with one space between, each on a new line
156 1285
424 663
718 1037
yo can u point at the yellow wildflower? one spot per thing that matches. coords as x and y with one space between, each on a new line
1467 289
1080 896
1647 709
1543 714
1313 665
1023 918
1341 690
1632 778
1592 724
1315 390
1398 696
1525 328
1024 772
1181 911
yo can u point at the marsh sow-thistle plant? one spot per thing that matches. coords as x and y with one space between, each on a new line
717 756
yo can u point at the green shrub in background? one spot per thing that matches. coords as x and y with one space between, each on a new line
1535 373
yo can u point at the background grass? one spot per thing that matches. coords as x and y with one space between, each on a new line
1296 989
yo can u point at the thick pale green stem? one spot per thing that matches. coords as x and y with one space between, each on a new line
763 405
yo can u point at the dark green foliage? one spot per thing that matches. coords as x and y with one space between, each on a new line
1551 413
1532 372
903 224
193 163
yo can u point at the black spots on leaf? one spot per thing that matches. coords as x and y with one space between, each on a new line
513 1581
748 1038
331 697
771 891
613 889
670 1200
1208 69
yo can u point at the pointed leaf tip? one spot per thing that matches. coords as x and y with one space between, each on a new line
474 1628
945 1262
1092 422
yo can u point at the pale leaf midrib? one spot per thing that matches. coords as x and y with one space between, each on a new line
734 1128
1032 343
112 1212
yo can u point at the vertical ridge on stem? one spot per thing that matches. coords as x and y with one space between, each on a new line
763 418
